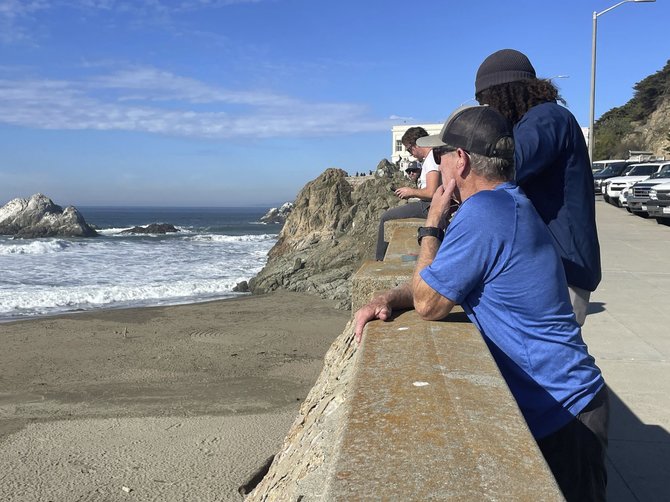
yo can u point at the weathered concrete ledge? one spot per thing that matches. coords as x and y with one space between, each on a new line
397 267
418 411
402 243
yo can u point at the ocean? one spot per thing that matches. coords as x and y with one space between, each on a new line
214 250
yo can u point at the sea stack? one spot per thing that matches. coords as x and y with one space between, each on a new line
278 215
38 216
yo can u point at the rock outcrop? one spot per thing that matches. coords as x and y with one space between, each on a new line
278 215
38 216
241 287
654 133
312 441
330 232
153 228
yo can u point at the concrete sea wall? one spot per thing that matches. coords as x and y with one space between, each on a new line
418 411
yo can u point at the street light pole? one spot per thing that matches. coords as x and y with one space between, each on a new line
593 70
592 102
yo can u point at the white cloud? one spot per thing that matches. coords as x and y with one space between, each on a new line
154 101
17 8
398 118
13 15
16 16
196 4
133 5
152 84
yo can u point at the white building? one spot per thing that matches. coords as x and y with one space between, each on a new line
397 149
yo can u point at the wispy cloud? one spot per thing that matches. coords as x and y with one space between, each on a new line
154 101
13 16
17 16
398 118
152 84
16 8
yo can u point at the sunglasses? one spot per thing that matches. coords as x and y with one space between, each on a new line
438 152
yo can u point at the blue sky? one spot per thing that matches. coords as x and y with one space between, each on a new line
241 102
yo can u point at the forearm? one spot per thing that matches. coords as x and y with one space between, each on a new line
399 297
426 193
429 303
420 193
381 307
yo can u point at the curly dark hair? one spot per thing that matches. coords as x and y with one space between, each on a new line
411 135
514 99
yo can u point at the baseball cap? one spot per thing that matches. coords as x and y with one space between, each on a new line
476 129
413 166
501 67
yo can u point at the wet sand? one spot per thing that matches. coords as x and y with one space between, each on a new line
167 403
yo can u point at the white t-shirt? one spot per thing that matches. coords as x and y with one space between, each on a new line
427 166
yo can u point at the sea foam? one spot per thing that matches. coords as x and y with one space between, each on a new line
48 276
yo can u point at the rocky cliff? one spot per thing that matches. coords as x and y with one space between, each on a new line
331 230
643 123
38 216
654 133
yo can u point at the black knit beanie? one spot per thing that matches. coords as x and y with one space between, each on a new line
506 65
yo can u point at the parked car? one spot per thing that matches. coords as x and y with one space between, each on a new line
623 197
598 165
612 187
638 196
611 169
658 205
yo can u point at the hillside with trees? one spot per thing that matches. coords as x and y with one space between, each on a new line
641 124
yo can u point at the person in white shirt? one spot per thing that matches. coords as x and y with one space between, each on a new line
426 186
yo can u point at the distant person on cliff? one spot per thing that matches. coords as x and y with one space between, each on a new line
498 261
427 183
552 164
413 172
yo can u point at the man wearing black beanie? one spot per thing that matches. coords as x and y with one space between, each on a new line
552 164
554 170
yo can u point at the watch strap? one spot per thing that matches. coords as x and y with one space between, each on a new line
436 232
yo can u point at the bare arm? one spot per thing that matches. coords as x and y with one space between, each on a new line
381 307
430 304
432 182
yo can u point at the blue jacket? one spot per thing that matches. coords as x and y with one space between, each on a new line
553 168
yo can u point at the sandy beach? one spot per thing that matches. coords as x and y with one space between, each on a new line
155 404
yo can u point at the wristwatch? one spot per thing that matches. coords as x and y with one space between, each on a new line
422 232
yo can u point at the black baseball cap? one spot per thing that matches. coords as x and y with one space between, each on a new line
413 166
476 129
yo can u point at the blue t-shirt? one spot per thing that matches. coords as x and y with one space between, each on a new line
500 264
554 170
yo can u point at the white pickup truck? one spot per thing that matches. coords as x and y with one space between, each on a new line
612 187
658 205
638 194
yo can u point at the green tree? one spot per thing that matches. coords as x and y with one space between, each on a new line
614 125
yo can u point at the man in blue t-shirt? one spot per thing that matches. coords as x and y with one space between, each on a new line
499 262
